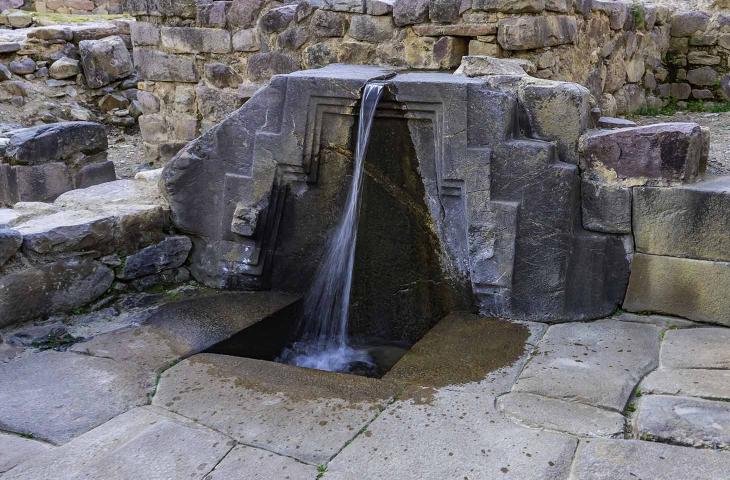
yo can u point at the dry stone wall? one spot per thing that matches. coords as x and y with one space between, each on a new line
200 60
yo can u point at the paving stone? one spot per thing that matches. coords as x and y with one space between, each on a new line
68 231
56 396
693 382
696 348
15 450
660 321
600 459
597 363
452 435
684 421
273 406
145 442
247 463
570 417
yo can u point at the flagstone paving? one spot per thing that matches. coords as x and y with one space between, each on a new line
622 398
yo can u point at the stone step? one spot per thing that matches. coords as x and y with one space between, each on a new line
599 459
688 221
305 414
684 421
693 289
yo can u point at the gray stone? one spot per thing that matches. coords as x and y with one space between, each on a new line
54 142
246 40
530 32
159 66
371 29
105 61
692 382
145 34
10 242
409 12
702 58
4 73
685 24
483 65
703 76
168 254
564 416
379 7
606 208
444 11
42 183
95 174
274 406
52 288
703 348
10 4
247 463
328 24
15 450
611 122
667 151
658 320
264 65
684 421
618 12
145 442
351 6
679 91
680 286
68 231
451 435
597 364
19 19
221 75
79 393
293 38
195 40
510 6
699 220
631 459
9 47
243 13
277 20
64 68
24 66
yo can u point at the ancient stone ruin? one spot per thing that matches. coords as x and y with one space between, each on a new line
348 239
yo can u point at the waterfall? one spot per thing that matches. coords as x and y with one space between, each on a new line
324 342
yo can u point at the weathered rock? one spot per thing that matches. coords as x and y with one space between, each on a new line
145 34
702 348
168 254
274 417
264 65
113 101
259 465
606 207
699 220
176 446
243 13
353 6
154 65
529 32
64 68
455 29
80 393
15 450
371 29
41 183
56 287
565 416
510 6
5 74
597 364
630 459
660 321
278 19
668 152
612 122
482 65
703 76
55 142
68 231
19 19
691 382
105 61
685 24
444 11
328 24
195 40
23 66
221 75
95 174
680 286
10 242
684 421
409 12
618 12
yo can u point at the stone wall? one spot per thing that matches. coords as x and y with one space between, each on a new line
79 6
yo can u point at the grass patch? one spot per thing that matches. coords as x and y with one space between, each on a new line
321 470
695 106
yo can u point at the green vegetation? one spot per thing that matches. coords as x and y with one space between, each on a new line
638 12
48 18
58 339
696 106
321 470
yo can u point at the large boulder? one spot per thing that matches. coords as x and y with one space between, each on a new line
105 61
55 142
530 32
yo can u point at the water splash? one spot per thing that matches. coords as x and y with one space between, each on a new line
324 343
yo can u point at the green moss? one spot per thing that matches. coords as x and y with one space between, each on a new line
638 12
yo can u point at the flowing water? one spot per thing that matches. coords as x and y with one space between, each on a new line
324 344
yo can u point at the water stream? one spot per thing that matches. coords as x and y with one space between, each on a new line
324 343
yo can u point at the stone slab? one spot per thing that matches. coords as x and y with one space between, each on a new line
600 459
597 363
660 321
688 221
693 289
56 396
247 463
570 417
684 421
145 442
696 348
694 382
305 414
451 435
15 450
